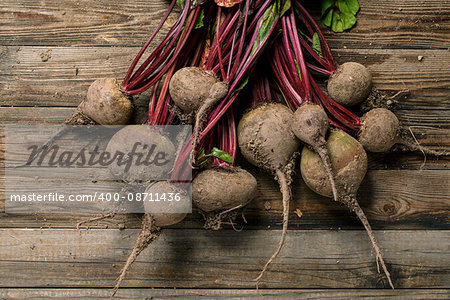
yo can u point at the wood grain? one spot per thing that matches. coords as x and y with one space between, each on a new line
425 121
384 24
157 294
202 259
392 199
85 22
63 80
428 132
50 51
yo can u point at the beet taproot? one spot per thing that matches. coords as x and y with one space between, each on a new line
143 139
349 162
223 188
173 209
105 104
151 223
220 192
266 140
190 87
379 130
310 125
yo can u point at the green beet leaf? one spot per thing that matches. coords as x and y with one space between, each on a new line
340 15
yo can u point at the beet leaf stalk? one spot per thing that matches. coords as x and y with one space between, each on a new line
350 83
295 81
261 27
174 44
310 123
259 33
197 90
314 42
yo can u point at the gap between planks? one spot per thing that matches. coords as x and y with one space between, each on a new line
233 294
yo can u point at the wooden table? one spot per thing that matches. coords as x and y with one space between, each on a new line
50 51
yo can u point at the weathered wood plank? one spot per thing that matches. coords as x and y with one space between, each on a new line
434 120
381 24
392 200
83 22
155 294
386 196
201 259
385 24
431 131
63 80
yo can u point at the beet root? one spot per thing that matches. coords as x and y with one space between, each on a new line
310 125
190 87
79 118
129 137
349 162
149 232
196 91
217 92
379 130
220 190
265 137
350 84
106 104
150 229
167 213
266 140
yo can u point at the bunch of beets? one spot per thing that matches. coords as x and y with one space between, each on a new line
257 60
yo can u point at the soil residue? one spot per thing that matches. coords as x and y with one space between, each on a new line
46 55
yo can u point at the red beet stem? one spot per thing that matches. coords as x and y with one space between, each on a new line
141 52
326 51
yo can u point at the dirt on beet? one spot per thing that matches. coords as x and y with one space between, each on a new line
383 99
